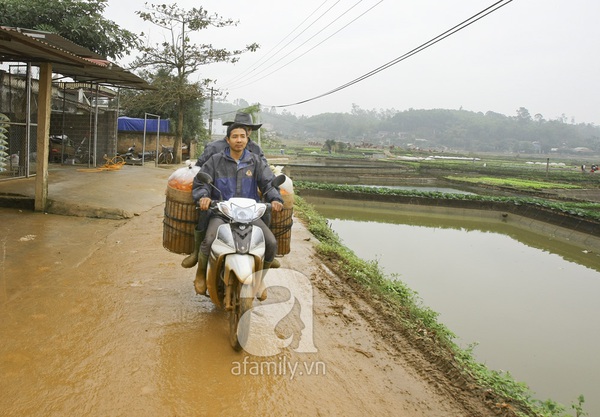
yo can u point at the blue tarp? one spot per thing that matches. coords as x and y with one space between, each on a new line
131 124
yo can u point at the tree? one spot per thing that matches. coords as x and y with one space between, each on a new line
178 57
538 118
523 114
161 101
329 145
254 111
79 21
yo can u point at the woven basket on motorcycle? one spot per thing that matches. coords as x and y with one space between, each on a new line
281 223
181 216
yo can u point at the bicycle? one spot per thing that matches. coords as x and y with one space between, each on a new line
112 164
166 155
82 154
116 162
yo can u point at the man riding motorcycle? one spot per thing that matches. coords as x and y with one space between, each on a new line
213 148
236 172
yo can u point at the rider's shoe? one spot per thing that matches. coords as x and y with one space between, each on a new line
200 281
192 259
263 293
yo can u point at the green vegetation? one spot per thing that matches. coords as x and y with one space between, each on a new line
172 63
585 210
514 168
513 182
422 321
434 131
79 21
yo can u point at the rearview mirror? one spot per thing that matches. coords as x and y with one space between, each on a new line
203 177
278 180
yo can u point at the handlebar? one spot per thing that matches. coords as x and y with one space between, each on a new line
213 205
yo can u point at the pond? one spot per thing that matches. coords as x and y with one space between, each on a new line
526 298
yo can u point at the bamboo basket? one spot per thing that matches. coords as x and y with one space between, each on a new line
180 220
281 225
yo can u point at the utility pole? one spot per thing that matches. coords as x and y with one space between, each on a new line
210 114
257 122
258 131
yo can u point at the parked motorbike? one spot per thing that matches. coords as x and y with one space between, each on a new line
129 156
147 156
234 276
60 148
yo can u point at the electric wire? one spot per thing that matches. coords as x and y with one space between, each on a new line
476 17
296 37
315 46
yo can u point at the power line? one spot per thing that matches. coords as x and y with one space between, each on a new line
315 46
256 66
490 9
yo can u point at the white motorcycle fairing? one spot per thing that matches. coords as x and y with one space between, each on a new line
224 254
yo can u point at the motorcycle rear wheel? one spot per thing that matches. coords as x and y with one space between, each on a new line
239 335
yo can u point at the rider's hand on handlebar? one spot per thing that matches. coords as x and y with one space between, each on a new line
204 203
276 206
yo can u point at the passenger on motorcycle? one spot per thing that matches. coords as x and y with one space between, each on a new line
219 145
211 149
236 172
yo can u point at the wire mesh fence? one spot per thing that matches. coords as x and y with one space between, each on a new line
82 123
17 103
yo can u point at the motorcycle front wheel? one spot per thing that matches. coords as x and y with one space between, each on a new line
238 332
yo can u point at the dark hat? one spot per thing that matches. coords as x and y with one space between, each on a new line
244 119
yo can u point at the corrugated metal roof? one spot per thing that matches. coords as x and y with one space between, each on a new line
66 57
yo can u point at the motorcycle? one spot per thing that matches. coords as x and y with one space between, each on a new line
234 272
130 157
147 156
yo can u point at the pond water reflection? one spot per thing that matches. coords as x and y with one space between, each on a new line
529 301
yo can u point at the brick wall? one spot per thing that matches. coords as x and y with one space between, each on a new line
127 139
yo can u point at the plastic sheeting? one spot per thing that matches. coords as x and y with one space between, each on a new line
131 124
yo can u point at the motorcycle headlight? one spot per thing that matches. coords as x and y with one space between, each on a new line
225 210
242 210
247 214
242 214
260 210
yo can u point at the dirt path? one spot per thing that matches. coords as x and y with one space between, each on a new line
97 319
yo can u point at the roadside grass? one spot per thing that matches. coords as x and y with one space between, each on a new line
423 322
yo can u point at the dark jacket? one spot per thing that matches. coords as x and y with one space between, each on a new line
220 145
237 179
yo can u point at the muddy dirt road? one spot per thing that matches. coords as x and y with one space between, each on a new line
98 319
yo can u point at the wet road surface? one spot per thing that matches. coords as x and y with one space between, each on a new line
98 319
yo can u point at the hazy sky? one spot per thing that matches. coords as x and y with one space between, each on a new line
539 54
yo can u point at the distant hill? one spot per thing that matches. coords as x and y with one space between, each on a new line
436 129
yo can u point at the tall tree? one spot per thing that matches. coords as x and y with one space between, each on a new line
80 21
523 115
162 99
254 111
179 57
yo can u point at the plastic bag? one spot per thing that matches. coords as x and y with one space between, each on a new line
183 178
287 188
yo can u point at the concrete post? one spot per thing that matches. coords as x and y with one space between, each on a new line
43 137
